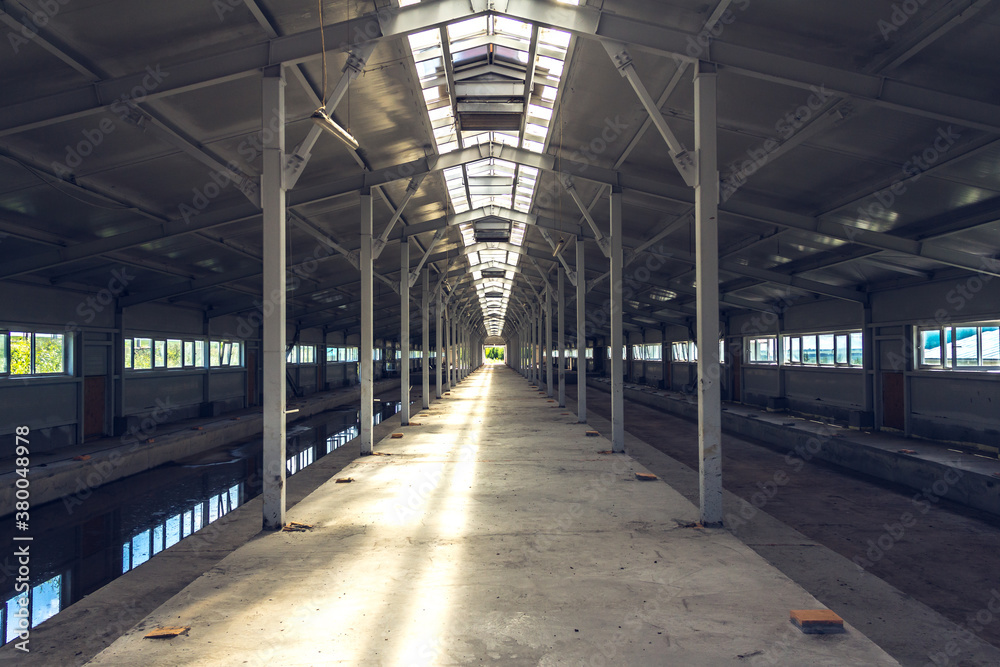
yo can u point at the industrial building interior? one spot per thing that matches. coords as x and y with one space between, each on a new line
381 288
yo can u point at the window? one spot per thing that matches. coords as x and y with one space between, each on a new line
29 353
762 350
647 352
968 347
301 354
42 602
143 353
843 348
175 355
159 354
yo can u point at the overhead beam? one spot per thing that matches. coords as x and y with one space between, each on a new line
588 22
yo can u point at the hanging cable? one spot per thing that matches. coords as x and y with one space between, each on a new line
322 41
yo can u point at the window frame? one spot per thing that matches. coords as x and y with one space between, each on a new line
948 344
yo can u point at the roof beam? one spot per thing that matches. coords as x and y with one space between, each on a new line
585 21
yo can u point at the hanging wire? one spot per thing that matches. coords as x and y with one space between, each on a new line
322 41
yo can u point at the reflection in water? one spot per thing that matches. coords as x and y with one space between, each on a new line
121 525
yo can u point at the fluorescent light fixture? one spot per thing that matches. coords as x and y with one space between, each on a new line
326 123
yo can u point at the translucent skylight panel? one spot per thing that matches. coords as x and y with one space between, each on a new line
535 130
420 41
555 38
504 25
468 28
533 146
441 113
549 93
550 66
517 233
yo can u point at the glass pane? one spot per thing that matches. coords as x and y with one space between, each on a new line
930 347
199 353
46 600
842 348
809 349
13 605
213 354
234 356
967 346
157 539
189 353
173 530
786 349
174 354
990 340
3 353
160 354
143 353
140 548
20 353
198 518
946 348
857 350
128 353
126 557
826 350
50 353
796 350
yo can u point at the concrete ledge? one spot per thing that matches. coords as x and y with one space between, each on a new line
115 458
932 469
87 627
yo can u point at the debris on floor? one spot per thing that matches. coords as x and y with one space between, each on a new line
605 451
344 480
296 527
645 477
397 436
167 633
197 428
817 621
593 434
82 457
381 453
906 451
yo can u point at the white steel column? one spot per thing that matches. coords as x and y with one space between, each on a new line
404 331
273 203
707 278
366 365
617 379
539 342
438 357
548 343
561 333
581 334
447 346
425 370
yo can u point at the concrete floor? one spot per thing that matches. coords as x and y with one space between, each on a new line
494 533
913 601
